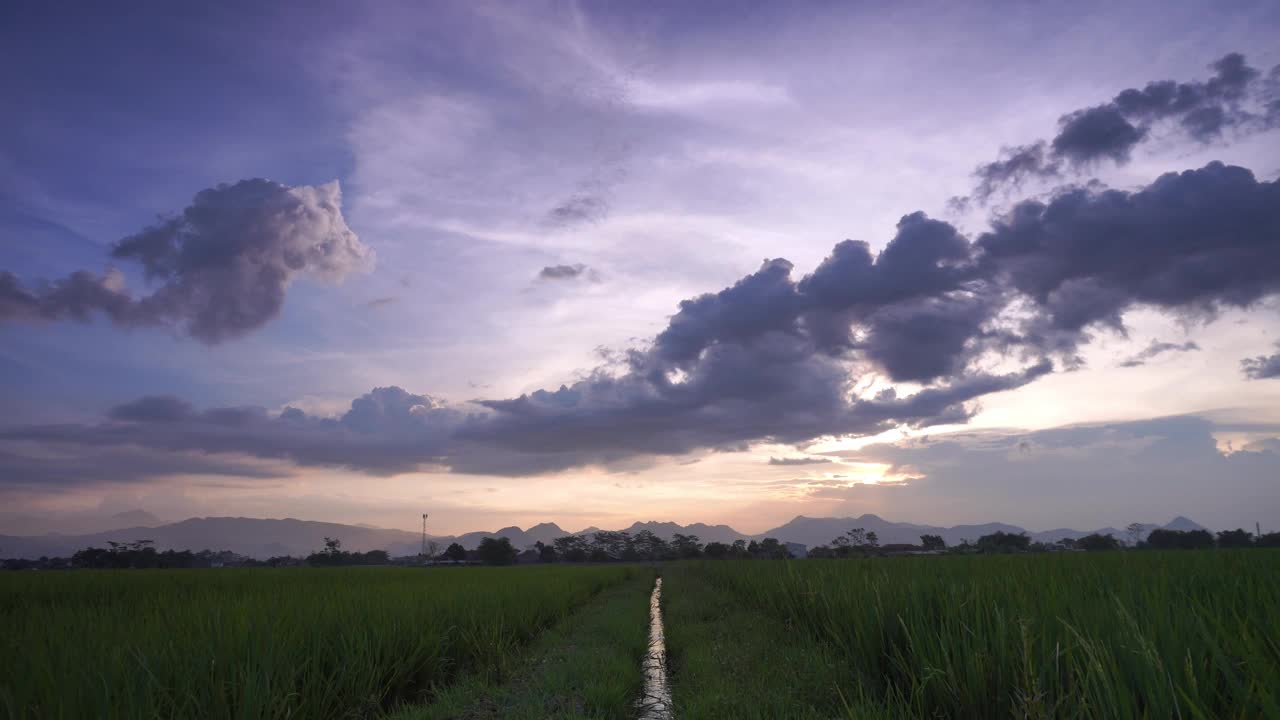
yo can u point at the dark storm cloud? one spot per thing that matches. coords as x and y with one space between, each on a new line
1095 133
1191 242
931 337
386 431
737 396
221 268
791 461
773 358
1155 349
1203 110
80 464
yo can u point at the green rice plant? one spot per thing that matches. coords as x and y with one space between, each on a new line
586 667
287 643
1108 635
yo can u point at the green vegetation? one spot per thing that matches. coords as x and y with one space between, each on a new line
1133 634
1186 634
587 666
264 643
728 660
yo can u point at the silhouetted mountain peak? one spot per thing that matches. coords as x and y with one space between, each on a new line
545 527
1183 523
260 537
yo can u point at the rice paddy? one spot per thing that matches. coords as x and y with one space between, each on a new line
1074 635
261 643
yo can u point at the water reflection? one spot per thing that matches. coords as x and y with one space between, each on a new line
655 700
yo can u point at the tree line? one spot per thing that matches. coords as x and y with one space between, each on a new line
615 546
141 554
620 546
860 542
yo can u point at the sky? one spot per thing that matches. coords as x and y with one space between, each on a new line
601 262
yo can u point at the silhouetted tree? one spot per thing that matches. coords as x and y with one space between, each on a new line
717 550
376 557
686 546
496 551
571 548
546 553
1134 531
933 542
1237 538
608 545
1097 541
1000 541
821 552
873 541
455 553
649 546
1161 539
772 549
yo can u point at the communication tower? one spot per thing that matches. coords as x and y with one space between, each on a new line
424 534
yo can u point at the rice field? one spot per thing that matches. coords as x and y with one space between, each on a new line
1188 634
260 643
1182 634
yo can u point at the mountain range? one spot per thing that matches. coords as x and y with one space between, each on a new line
262 538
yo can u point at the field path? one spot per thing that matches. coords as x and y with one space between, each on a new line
587 667
655 700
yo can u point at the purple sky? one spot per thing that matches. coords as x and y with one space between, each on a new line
584 262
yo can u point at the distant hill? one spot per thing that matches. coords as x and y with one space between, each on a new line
247 536
821 531
543 532
706 533
262 538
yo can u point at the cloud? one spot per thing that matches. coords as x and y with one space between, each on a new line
789 461
1191 243
1202 110
385 431
1262 367
565 272
578 208
1014 166
221 268
30 466
1095 133
1155 349
773 358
